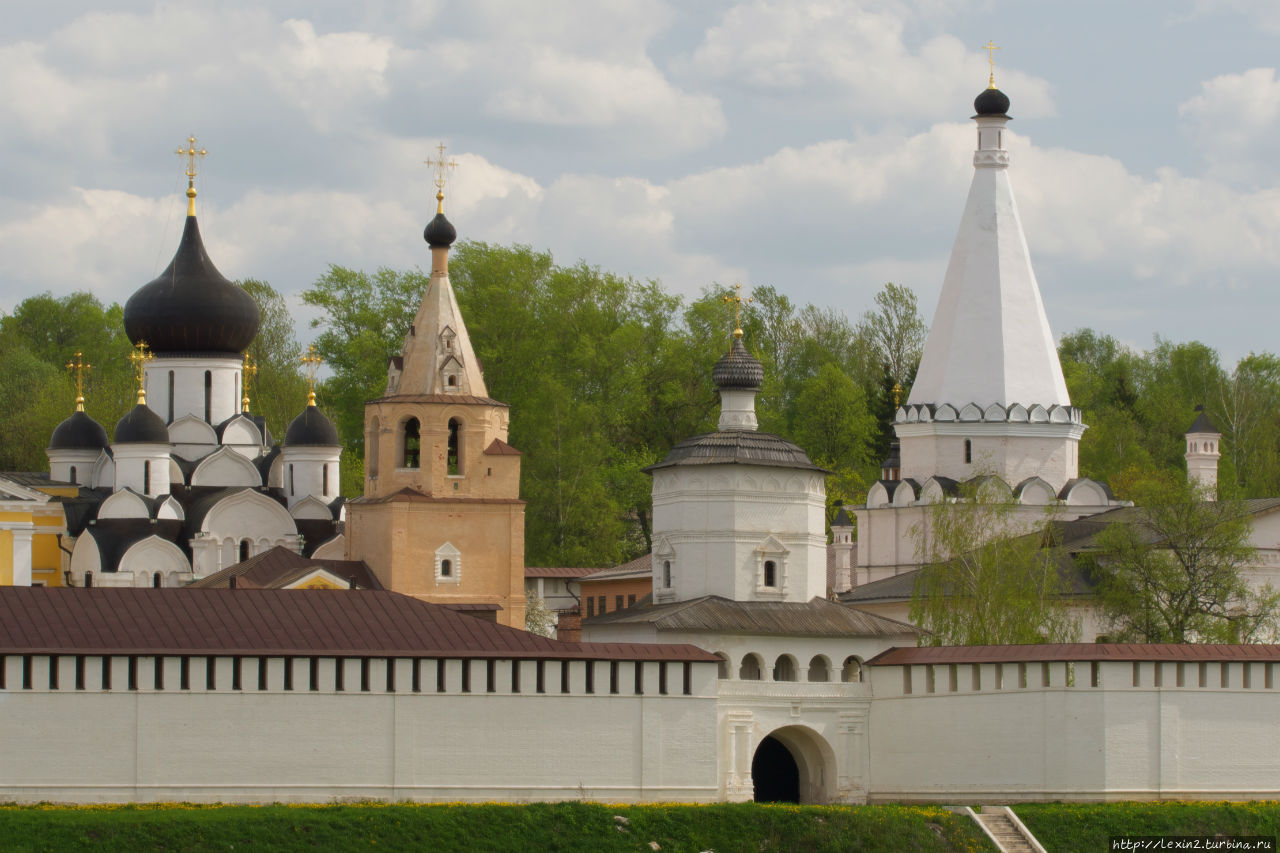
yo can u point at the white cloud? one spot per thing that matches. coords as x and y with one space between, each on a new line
855 55
1235 122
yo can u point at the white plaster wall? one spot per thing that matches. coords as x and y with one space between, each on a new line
131 471
1116 741
282 745
307 464
188 387
62 461
1010 451
716 517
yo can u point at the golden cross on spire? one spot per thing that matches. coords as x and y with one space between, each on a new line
897 394
736 301
191 153
311 362
990 48
140 356
441 165
249 370
79 367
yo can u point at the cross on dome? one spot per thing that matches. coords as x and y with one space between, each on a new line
441 167
139 357
990 48
191 153
311 362
249 370
735 299
79 367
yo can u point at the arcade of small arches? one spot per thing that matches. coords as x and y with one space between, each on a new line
1033 491
410 445
785 667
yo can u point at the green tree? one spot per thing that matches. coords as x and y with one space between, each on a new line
986 579
1172 572
278 389
896 332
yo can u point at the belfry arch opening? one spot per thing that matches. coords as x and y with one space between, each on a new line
793 764
454 450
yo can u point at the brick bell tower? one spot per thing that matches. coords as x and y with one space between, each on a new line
441 517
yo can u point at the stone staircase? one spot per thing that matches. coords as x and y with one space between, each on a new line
1002 826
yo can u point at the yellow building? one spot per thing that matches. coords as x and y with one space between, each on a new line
441 518
31 521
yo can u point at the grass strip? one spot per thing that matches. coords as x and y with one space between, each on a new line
569 827
1070 827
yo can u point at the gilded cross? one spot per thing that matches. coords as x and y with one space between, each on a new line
79 367
140 356
311 362
735 299
249 370
990 48
441 167
897 394
191 153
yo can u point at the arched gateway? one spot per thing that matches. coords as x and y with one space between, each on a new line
793 764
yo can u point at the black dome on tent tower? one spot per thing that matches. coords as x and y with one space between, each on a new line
992 102
440 232
191 307
738 369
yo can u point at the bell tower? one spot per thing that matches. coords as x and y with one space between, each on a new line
441 517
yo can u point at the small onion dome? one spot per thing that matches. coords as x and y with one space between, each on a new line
738 370
79 432
311 427
992 102
440 232
140 425
191 307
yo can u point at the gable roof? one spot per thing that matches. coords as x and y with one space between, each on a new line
277 567
276 622
640 567
713 613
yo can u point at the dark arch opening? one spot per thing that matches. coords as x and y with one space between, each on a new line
775 774
411 444
208 396
244 550
455 447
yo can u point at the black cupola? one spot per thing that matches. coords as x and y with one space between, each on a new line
311 427
191 307
140 425
79 432
738 369
992 102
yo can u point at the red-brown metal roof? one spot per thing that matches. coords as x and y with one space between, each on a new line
556 572
276 622
1050 652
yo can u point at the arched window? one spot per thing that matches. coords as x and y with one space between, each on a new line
324 486
73 474
292 492
453 381
146 476
455 447
371 458
770 573
784 668
155 580
968 451
852 669
88 578
750 669
666 574
446 568
244 550
819 669
208 396
411 444
170 396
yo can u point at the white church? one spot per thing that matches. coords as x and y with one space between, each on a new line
737 680
190 482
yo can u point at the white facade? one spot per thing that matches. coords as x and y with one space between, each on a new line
208 387
310 471
719 525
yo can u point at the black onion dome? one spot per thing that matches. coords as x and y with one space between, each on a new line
440 232
311 427
992 102
79 432
140 425
191 307
737 446
738 370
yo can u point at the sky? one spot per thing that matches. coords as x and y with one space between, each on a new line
820 147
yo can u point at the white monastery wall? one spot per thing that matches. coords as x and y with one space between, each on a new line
449 737
1057 731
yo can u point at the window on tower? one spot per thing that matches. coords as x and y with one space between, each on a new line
411 448
208 396
968 451
455 443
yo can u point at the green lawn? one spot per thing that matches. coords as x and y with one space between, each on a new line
1064 828
490 827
